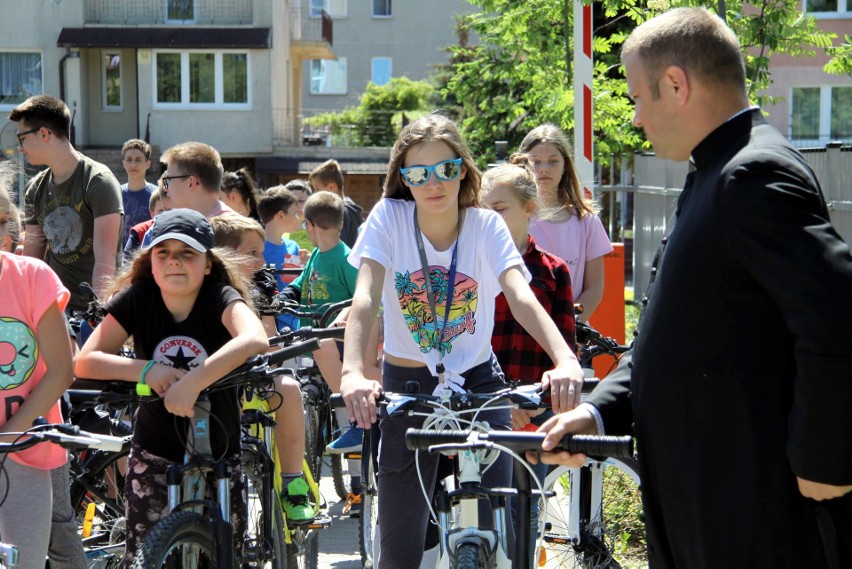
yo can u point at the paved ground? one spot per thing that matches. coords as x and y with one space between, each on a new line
339 543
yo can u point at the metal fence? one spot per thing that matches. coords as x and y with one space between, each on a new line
639 194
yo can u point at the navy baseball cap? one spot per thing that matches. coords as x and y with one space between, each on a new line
185 225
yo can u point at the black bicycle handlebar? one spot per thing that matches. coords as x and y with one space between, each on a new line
307 333
67 436
518 441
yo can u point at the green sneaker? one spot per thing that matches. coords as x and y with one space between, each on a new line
294 501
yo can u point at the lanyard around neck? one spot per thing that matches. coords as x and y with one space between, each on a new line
451 283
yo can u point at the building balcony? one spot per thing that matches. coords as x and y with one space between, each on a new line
177 12
311 34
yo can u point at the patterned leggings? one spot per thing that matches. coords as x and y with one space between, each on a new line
146 496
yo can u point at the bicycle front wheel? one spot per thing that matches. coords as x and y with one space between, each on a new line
98 491
369 508
264 539
470 556
594 518
182 539
303 550
313 454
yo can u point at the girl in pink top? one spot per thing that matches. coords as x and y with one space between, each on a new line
35 368
571 228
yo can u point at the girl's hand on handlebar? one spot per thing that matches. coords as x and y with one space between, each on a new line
578 421
820 491
360 396
161 377
566 385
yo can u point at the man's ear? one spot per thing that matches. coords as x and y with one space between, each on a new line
675 78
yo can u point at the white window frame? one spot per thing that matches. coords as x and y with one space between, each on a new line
219 88
381 16
9 107
168 20
843 11
106 107
373 62
323 63
824 133
340 11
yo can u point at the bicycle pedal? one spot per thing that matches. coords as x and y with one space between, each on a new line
321 521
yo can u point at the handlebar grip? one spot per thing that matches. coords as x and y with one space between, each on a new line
280 356
593 445
422 439
336 332
336 401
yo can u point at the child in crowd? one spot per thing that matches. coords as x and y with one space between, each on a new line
510 190
278 212
327 277
136 193
187 308
240 193
573 231
156 205
301 190
35 369
436 261
328 177
245 236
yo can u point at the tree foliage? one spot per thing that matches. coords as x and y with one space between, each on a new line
379 116
519 74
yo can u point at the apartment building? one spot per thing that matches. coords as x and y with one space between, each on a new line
816 106
375 40
225 72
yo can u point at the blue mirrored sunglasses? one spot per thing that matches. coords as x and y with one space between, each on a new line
444 171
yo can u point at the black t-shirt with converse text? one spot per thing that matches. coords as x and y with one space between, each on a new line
141 312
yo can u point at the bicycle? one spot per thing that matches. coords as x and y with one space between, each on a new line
463 541
321 423
69 437
198 532
594 512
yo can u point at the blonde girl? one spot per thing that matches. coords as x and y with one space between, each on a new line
572 230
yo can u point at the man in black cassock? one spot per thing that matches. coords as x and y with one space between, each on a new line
739 385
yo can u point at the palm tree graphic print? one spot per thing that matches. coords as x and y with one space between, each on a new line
412 294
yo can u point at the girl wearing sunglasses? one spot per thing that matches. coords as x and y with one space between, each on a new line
436 261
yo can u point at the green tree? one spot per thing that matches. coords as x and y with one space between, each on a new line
379 115
519 74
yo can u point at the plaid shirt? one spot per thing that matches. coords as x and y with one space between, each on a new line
520 357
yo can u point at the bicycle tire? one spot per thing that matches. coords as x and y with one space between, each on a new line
369 512
256 551
469 556
178 534
100 476
313 454
615 535
303 550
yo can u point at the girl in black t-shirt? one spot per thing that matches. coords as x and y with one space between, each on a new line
185 305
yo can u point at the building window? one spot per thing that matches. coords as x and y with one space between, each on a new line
821 114
827 8
180 10
381 69
382 9
328 76
20 78
201 78
334 8
112 81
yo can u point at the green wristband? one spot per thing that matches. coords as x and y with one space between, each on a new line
143 388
